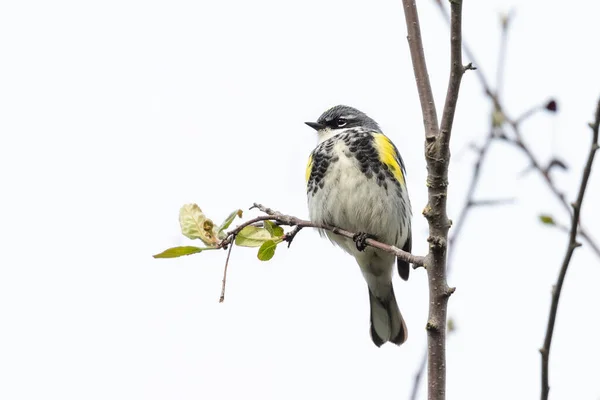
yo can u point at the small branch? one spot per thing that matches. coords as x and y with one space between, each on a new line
288 220
297 222
437 156
487 87
222 298
506 20
456 73
469 67
547 178
470 199
573 244
528 114
289 237
491 202
415 43
418 377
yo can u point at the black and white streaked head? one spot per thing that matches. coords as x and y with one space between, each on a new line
339 119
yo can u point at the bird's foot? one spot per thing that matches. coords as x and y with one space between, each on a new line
360 239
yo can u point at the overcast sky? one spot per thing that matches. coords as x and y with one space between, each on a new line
113 114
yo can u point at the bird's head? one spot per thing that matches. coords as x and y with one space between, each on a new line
339 119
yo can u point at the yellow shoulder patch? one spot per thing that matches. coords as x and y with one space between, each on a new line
388 155
309 167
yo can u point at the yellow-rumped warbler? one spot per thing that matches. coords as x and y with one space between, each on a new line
356 181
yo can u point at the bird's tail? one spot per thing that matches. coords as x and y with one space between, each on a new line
387 324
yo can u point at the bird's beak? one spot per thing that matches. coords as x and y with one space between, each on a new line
315 125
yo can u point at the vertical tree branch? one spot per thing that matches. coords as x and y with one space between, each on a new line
457 229
415 43
437 155
573 244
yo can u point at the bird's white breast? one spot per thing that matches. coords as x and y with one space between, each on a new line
350 200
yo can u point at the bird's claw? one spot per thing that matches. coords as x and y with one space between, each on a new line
360 239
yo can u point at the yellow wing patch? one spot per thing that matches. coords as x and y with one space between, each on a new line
387 155
309 167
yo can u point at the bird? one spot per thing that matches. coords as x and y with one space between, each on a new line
356 180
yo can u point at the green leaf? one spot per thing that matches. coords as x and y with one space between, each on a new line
274 229
195 225
227 222
252 236
267 250
180 251
547 219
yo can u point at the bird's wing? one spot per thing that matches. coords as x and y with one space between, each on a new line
389 155
309 167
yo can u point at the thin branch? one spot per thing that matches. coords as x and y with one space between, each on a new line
418 377
415 43
506 20
417 261
289 237
573 244
456 72
222 298
547 178
529 113
492 202
486 86
288 220
437 155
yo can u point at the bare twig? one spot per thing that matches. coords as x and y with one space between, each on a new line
529 113
415 44
506 20
298 224
573 244
491 202
289 237
418 377
222 298
437 155
487 87
288 220
518 140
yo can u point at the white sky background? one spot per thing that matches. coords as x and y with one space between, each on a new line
113 114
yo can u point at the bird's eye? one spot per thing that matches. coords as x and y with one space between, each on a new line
341 122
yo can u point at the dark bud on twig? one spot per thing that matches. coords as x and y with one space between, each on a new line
469 67
551 106
556 163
